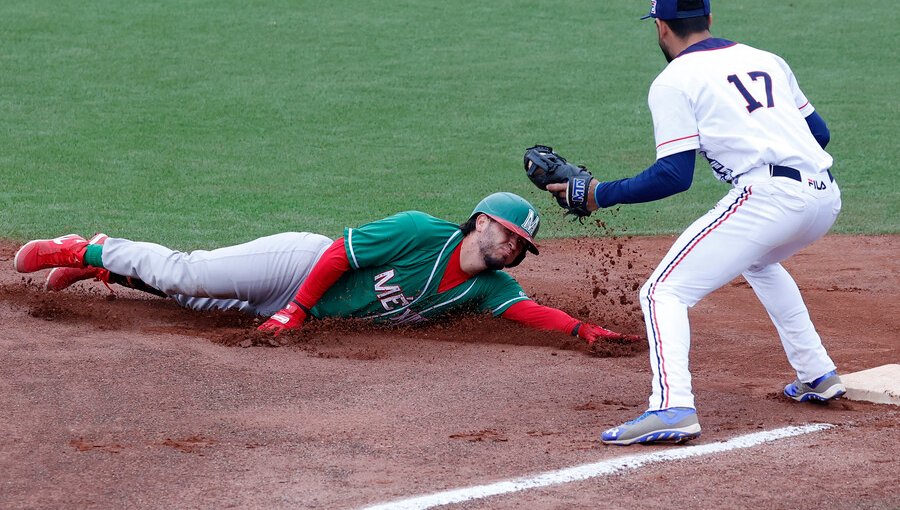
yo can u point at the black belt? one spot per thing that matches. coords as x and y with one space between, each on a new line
790 173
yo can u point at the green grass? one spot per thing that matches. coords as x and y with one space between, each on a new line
202 123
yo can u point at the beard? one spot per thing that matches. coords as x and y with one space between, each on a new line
665 52
488 249
493 262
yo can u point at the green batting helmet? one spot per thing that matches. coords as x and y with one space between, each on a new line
514 213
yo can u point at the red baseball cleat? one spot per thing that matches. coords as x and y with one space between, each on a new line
62 277
65 251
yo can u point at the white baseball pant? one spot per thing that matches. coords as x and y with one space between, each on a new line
259 277
750 230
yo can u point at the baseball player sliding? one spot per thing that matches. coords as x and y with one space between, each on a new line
742 110
404 269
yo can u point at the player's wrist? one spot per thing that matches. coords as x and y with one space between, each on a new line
592 202
302 307
577 328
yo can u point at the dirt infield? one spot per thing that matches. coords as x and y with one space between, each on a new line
128 401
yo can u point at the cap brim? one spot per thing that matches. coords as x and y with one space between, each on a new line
518 230
647 16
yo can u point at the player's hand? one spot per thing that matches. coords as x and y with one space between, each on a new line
291 317
561 190
591 333
557 189
545 168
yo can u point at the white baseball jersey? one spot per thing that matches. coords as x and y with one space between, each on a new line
740 106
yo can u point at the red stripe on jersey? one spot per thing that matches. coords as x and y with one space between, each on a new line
533 315
678 139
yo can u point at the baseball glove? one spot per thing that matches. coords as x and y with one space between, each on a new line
543 167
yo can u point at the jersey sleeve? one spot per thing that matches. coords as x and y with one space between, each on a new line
667 176
538 316
331 266
500 291
379 242
806 108
674 124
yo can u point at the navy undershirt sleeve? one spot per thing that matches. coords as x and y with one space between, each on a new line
818 128
668 176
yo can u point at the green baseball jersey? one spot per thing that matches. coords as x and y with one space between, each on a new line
396 266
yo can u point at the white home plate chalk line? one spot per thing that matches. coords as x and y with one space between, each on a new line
585 471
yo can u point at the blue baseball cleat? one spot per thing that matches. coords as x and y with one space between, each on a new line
673 425
824 388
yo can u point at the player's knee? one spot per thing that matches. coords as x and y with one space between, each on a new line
302 241
655 290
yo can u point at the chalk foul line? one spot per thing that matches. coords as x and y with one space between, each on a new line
595 469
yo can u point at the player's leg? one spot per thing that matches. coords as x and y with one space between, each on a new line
715 249
132 283
781 297
265 272
204 304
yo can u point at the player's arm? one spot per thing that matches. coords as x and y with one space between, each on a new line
669 175
818 128
537 316
330 267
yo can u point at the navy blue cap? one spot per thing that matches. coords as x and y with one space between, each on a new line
668 9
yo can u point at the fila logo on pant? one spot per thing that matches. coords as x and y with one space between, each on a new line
819 185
